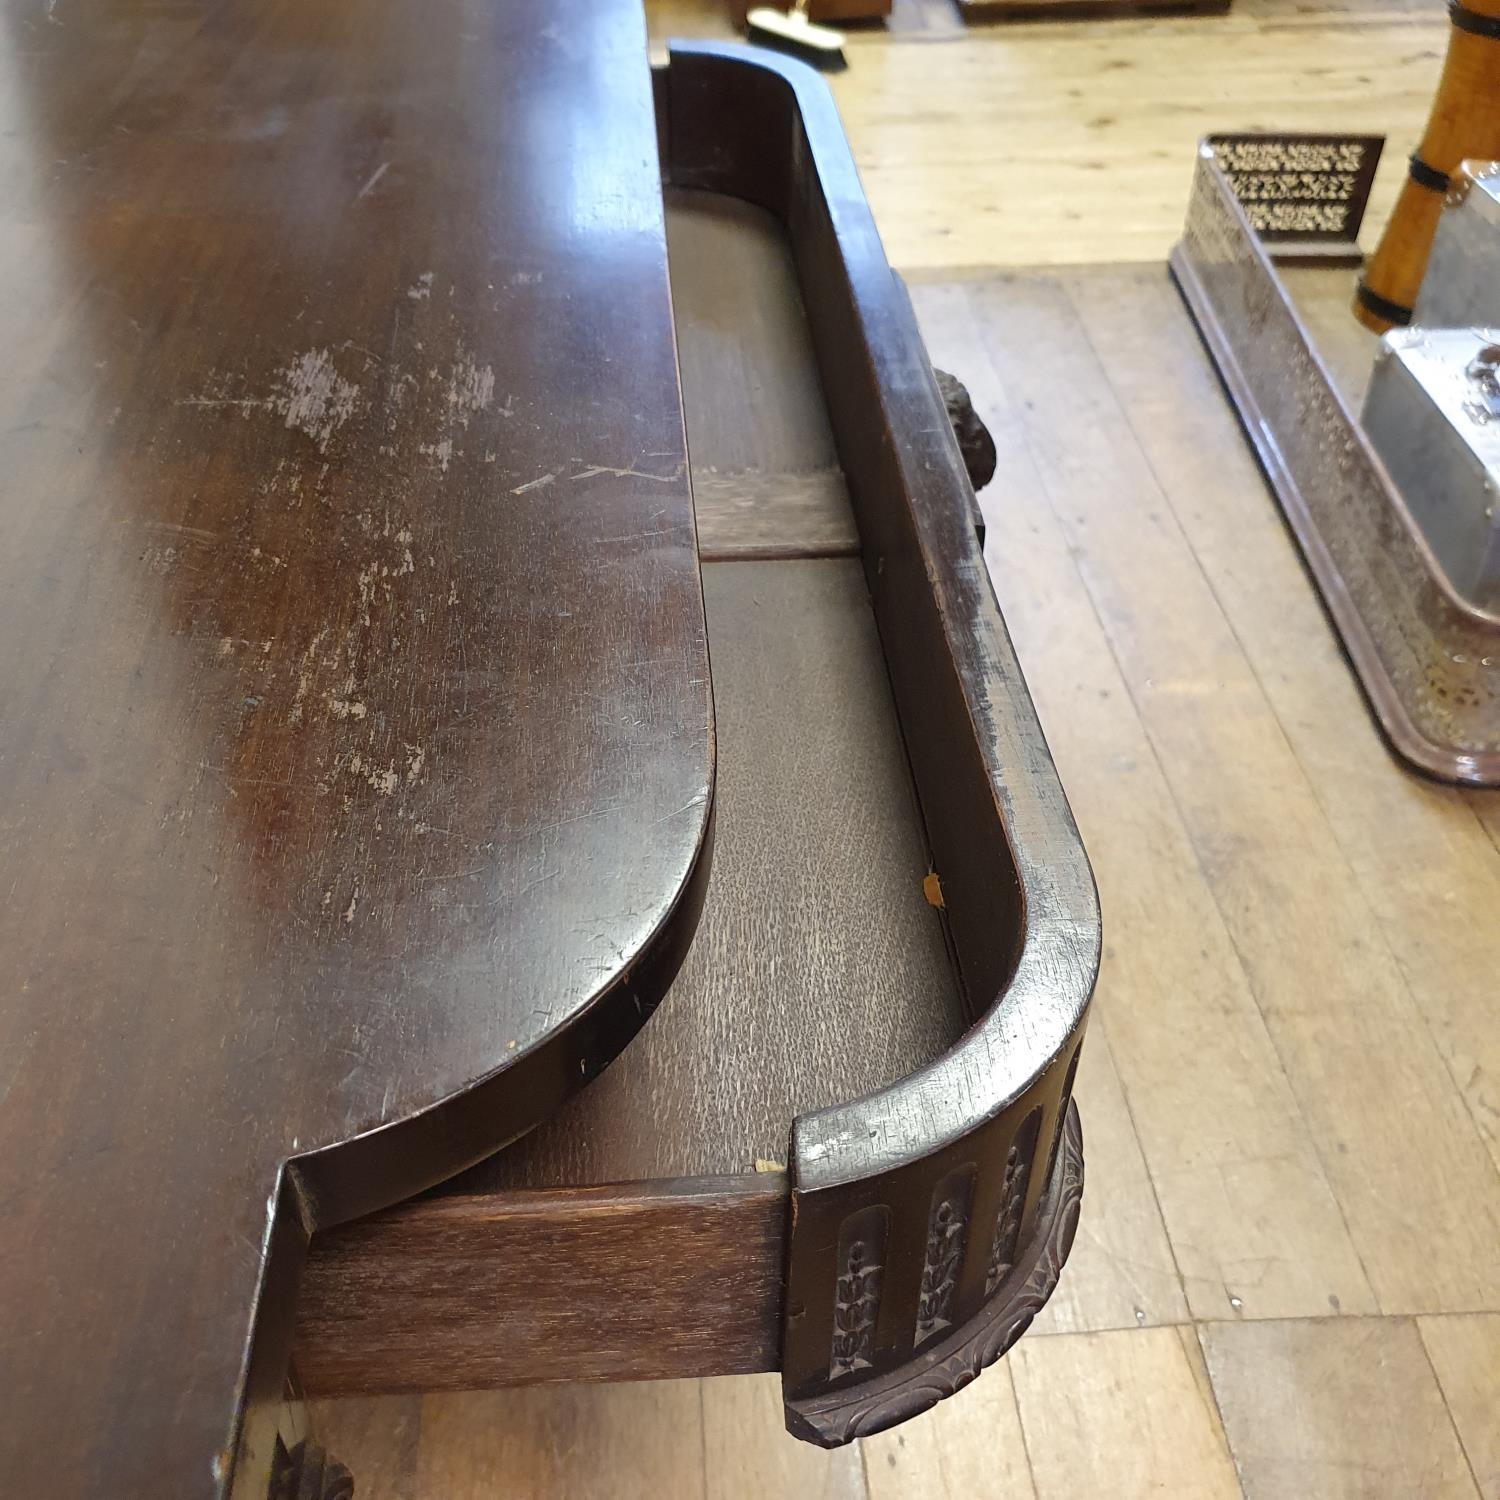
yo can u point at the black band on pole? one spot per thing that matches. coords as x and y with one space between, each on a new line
1474 23
1427 177
1383 307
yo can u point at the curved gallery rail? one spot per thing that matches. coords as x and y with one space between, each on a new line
930 1219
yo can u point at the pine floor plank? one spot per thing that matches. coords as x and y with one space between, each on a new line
1486 806
1423 863
1119 1414
1465 1352
969 1447
1344 1409
1400 1149
1249 1212
1121 1273
747 1454
578 1442
1064 143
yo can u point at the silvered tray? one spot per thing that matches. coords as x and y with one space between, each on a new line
1429 661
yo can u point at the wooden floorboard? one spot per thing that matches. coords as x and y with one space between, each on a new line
1287 1282
1248 1206
1465 1353
1419 857
970 1447
1416 1186
1120 1414
1340 1408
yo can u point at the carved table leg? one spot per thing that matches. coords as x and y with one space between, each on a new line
950 1364
974 440
306 1472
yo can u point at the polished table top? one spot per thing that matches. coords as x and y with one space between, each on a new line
356 744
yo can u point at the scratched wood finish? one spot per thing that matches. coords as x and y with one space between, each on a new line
766 476
356 736
596 1247
818 969
643 1281
1020 912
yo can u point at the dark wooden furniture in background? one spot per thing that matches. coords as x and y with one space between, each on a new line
918 1227
356 745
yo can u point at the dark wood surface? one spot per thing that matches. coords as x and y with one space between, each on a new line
818 838
645 1281
911 1204
818 969
355 734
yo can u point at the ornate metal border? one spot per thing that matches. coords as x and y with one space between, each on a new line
1429 662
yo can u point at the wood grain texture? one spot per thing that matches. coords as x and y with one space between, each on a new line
818 968
1464 1349
747 1454
766 480
1067 142
358 738
751 391
1253 1224
1346 1409
969 1447
1400 1149
587 1442
1411 845
765 516
1120 1414
640 1282
376 1437
1121 1272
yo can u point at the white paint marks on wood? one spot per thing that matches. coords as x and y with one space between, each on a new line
315 399
372 179
385 779
471 388
594 470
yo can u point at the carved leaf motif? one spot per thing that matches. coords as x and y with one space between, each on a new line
945 1246
839 1418
857 1301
